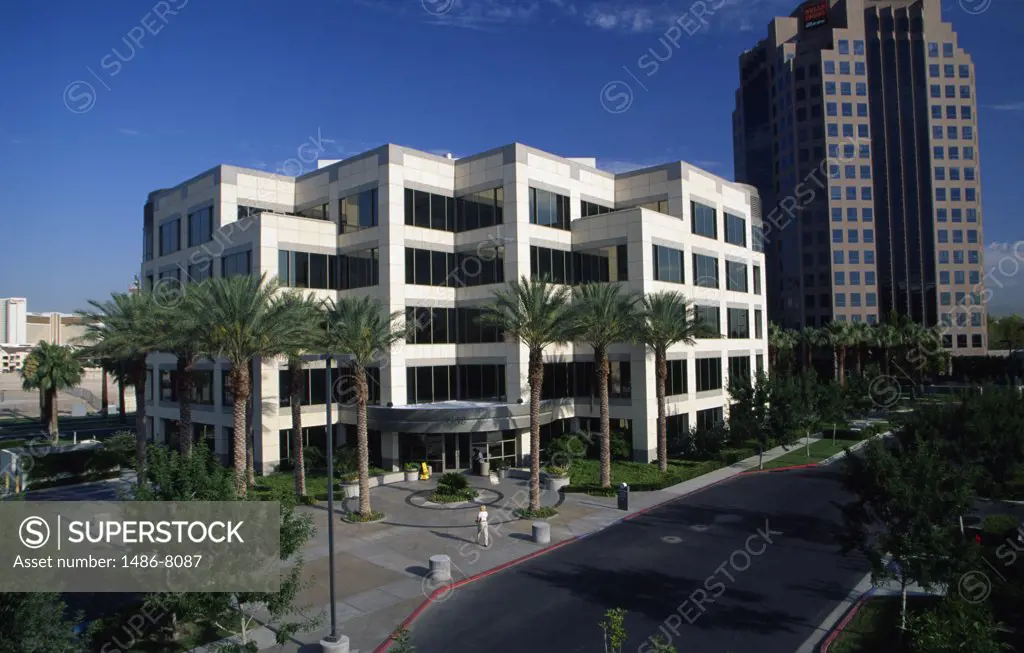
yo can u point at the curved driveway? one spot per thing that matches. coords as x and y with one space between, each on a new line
748 565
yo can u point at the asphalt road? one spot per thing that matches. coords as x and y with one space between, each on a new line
748 565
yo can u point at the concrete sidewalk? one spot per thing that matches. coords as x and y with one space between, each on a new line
381 569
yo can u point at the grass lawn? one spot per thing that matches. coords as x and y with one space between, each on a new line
820 450
316 484
588 472
875 627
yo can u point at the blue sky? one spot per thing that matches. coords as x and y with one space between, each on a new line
247 82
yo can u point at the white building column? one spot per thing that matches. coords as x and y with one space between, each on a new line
523 446
389 450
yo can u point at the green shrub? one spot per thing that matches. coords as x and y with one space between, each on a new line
122 444
557 471
543 513
454 496
452 483
358 518
76 463
569 447
1000 525
411 467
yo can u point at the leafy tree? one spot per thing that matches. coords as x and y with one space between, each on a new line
53 368
37 622
749 414
984 432
242 323
306 311
123 328
200 477
601 314
361 328
954 626
533 312
666 319
902 518
886 336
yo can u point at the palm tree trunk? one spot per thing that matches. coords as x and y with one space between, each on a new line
808 350
240 387
661 374
841 357
362 446
121 410
104 396
185 384
141 439
885 359
44 410
296 383
601 358
250 444
536 372
52 401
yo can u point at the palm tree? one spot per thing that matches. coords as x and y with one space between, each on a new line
886 337
182 331
840 336
54 368
811 337
362 329
862 336
601 314
533 312
779 341
123 328
241 323
666 318
305 311
29 368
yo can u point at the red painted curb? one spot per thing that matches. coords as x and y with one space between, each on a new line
781 469
383 647
843 623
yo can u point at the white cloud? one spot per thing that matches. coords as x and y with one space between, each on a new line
1010 106
129 132
707 163
616 166
629 16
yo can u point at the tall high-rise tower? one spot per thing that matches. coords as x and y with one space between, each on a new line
856 120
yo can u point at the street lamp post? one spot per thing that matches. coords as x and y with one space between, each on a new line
333 643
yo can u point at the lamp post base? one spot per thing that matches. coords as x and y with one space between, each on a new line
327 645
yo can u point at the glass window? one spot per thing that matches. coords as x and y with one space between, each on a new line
170 237
837 214
830 67
839 278
837 236
965 112
831 109
200 226
936 112
704 220
858 47
947 50
236 264
668 264
949 71
854 257
868 214
735 276
844 67
360 269
847 110
933 49
359 211
705 271
844 46
840 300
965 71
549 209
735 230
862 89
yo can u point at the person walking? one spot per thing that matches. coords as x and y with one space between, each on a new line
481 527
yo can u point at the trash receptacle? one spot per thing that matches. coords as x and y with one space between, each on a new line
623 497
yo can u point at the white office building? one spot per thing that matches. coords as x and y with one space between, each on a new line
433 237
13 321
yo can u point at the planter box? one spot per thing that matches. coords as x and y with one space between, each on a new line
556 484
351 490
392 477
412 476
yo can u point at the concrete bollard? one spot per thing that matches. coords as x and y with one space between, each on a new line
340 646
541 532
440 568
